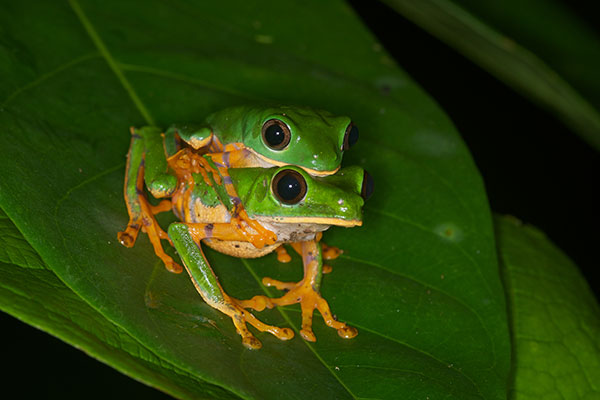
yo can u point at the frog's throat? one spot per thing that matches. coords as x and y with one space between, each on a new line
276 163
312 220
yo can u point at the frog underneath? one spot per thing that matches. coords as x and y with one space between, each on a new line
282 204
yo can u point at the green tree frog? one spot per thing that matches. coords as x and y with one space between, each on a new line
244 212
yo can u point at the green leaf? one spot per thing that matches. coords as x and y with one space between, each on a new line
14 249
419 280
554 316
538 47
36 296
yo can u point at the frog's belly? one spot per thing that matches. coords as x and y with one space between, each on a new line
286 232
292 231
239 249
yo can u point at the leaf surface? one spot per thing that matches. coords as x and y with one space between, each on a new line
32 292
554 316
419 280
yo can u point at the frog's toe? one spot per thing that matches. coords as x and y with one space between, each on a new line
279 333
308 335
282 255
251 343
285 334
347 332
330 252
240 316
126 239
278 284
173 267
343 330
309 300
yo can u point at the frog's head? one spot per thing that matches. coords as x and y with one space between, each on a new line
312 139
290 195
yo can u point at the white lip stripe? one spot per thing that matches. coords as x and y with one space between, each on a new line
312 220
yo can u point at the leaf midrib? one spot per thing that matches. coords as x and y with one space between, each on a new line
289 321
87 25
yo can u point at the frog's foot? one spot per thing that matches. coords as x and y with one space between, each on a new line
155 234
186 239
240 317
185 162
309 299
251 231
128 237
148 224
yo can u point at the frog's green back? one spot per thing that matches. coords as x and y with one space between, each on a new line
316 136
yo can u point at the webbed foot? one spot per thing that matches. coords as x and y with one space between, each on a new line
240 317
309 299
305 292
147 223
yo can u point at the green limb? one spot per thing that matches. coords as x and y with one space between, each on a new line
196 135
195 263
318 256
206 284
135 160
158 180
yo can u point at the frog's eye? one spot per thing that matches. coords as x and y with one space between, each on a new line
289 186
351 136
367 186
276 134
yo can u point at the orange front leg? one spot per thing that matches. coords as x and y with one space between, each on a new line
141 212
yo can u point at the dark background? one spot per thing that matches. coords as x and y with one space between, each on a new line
534 168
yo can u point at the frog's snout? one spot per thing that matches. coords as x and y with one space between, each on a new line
367 186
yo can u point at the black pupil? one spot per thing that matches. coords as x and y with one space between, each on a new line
352 136
288 187
274 135
367 186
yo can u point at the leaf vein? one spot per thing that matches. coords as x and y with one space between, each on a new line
110 60
459 301
187 79
286 317
48 75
